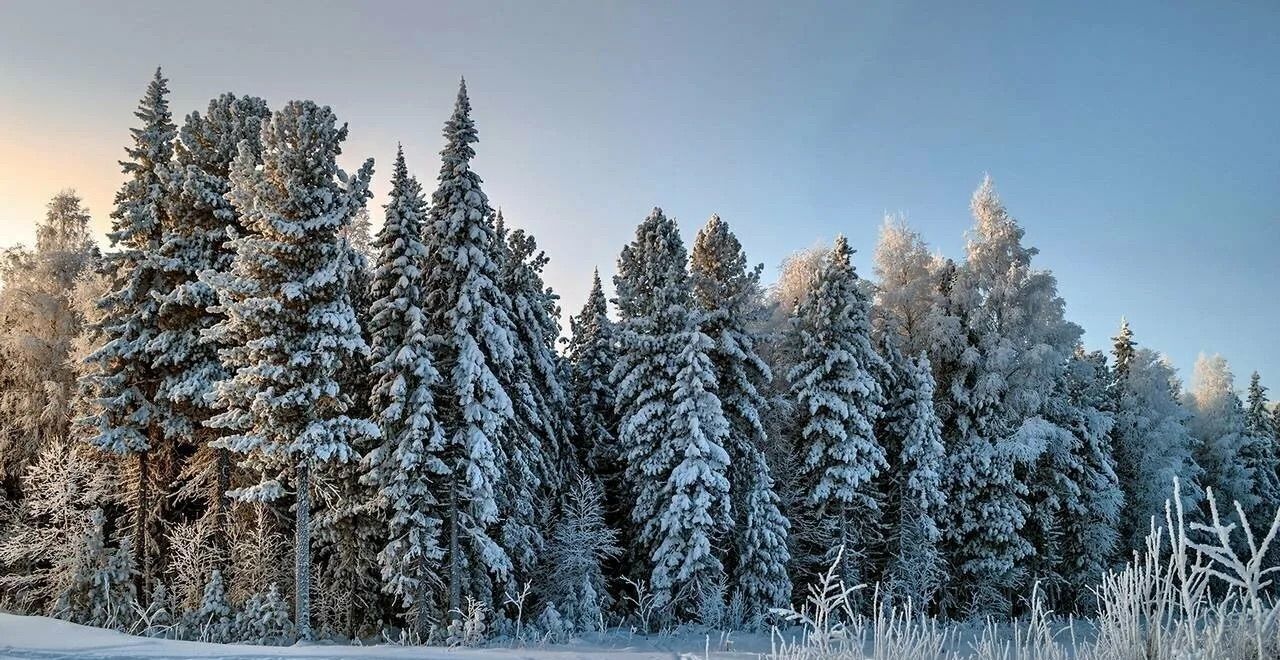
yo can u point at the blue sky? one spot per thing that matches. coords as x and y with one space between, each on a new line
1138 143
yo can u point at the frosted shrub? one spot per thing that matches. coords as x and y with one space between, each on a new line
554 628
211 622
712 609
193 556
156 619
265 619
469 627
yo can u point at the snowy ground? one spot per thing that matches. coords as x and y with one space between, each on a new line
41 638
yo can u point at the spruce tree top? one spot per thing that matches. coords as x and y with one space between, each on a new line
397 279
721 277
1123 348
652 282
1258 422
137 216
594 317
459 190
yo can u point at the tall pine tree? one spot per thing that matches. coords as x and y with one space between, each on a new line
998 369
672 428
405 468
285 297
131 421
728 293
202 223
467 317
838 396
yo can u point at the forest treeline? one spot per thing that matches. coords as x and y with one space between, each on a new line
253 418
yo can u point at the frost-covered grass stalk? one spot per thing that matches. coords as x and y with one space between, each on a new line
1190 594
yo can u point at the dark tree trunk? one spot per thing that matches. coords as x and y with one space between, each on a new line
302 553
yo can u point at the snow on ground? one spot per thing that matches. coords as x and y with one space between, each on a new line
42 638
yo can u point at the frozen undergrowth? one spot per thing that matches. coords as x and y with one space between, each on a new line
1198 591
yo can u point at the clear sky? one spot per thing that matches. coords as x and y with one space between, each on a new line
1137 142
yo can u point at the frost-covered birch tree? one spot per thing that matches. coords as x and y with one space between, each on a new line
39 322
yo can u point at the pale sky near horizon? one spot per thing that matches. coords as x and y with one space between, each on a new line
1138 143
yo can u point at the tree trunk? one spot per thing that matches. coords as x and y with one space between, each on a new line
302 553
223 457
142 558
420 624
455 562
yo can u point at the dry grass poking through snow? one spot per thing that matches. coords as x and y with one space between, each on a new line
1189 596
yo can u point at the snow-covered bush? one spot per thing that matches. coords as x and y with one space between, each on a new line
468 627
264 619
212 621
156 619
554 628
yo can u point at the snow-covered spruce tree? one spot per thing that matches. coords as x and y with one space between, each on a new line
125 380
103 593
591 353
405 467
1151 443
1258 422
285 298
347 532
1262 451
475 344
577 548
728 292
264 619
212 620
997 369
1076 498
158 615
838 397
914 501
38 324
536 440
672 428
200 222
1123 348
